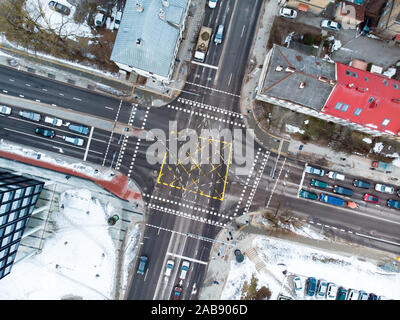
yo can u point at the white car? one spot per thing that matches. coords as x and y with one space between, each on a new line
352 294
336 176
184 269
297 284
74 140
331 291
331 25
212 3
383 188
5 110
100 19
54 121
117 20
312 170
288 13
169 268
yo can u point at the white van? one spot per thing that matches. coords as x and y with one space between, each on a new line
74 140
336 175
184 269
54 121
117 20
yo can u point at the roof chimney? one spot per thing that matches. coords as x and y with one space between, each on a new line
161 14
139 42
165 3
302 85
139 6
290 69
279 68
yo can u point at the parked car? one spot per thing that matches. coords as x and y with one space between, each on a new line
342 190
78 129
117 20
311 286
331 25
177 292
288 13
74 140
308 195
184 269
336 175
212 3
398 192
352 294
382 298
60 8
341 295
372 296
371 198
48 133
393 204
362 295
361 184
142 264
54 121
318 184
219 34
30 115
100 19
13 62
312 170
169 268
384 188
321 289
331 291
5 110
297 284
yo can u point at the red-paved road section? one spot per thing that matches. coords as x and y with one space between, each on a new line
118 185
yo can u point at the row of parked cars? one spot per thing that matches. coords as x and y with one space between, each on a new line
356 183
328 290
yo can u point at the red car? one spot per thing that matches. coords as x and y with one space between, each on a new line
371 198
177 293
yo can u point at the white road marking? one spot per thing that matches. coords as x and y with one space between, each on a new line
230 79
242 31
205 65
88 143
186 258
77 99
109 108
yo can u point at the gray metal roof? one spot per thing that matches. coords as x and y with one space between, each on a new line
158 37
285 85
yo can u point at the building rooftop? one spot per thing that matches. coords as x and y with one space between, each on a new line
347 7
297 68
147 38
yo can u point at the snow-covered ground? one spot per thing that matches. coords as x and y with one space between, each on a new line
78 261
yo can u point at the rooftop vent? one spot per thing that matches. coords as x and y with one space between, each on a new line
396 100
161 14
279 68
290 69
139 7
323 79
350 85
139 42
165 3
362 89
302 85
332 82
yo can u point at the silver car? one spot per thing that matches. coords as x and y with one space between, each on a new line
384 188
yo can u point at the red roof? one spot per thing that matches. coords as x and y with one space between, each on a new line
365 98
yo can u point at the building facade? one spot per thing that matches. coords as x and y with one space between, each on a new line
314 6
18 197
389 22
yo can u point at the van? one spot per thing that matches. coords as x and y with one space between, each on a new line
184 269
312 170
219 34
78 129
74 140
336 175
117 20
343 191
30 115
54 121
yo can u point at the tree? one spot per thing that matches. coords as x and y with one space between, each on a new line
263 293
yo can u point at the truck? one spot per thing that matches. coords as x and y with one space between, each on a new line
202 44
382 166
337 201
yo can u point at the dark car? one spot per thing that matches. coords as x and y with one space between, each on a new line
142 264
341 295
398 192
311 286
48 133
372 296
177 293
361 184
342 190
393 204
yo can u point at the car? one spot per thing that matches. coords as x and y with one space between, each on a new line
13 62
5 110
362 295
318 184
288 13
331 291
342 190
372 296
321 288
297 284
169 267
30 115
384 188
352 294
336 175
117 20
331 25
312 170
393 204
361 184
184 269
177 293
382 298
219 34
142 264
78 129
308 195
48 133
74 140
398 192
311 286
371 198
212 3
100 19
54 121
60 8
341 294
